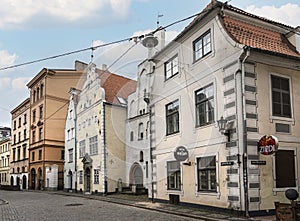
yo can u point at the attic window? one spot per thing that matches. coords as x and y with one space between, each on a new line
202 46
122 101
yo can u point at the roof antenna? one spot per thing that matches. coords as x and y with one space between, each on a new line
158 16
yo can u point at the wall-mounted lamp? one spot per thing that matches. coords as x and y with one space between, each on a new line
222 124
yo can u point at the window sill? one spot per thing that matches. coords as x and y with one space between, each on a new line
216 194
178 192
282 119
275 190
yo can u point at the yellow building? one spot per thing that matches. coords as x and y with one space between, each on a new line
5 145
48 110
20 144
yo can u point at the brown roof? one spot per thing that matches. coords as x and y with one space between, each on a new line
116 86
258 37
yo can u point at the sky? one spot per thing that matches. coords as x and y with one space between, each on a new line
31 30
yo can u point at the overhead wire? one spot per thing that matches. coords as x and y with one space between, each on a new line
98 46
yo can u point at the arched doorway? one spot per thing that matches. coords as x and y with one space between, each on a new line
24 182
18 183
136 175
87 180
40 178
70 180
11 180
33 177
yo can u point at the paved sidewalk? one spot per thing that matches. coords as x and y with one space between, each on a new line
142 201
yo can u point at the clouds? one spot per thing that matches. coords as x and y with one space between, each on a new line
7 59
288 14
17 14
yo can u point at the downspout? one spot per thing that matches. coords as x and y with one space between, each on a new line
75 138
103 131
244 136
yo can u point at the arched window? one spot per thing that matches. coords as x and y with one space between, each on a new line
141 131
37 93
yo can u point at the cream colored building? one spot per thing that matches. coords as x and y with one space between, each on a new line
20 143
5 145
49 92
100 131
232 64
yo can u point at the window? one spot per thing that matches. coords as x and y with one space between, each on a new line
19 122
42 90
41 112
81 148
96 176
174 176
24 151
32 156
15 124
207 173
33 136
171 67
15 138
172 117
19 136
281 100
14 154
34 96
70 155
19 153
33 115
204 99
94 145
40 133
141 156
40 154
285 169
62 154
25 134
141 131
71 114
25 119
81 177
38 93
202 46
131 136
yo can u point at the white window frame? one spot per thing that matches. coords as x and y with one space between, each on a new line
277 118
201 193
274 172
174 67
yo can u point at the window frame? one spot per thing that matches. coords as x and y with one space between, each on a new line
171 62
177 176
283 189
281 115
96 176
205 101
200 39
176 129
215 168
93 145
81 148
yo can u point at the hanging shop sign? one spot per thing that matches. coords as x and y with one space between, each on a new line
181 153
267 145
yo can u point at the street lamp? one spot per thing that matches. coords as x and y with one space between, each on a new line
222 124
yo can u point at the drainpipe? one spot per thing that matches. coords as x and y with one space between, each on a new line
244 136
75 137
103 131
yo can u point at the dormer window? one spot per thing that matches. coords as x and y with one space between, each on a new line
202 46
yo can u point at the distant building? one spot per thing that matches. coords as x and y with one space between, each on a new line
49 92
4 132
19 154
100 131
5 145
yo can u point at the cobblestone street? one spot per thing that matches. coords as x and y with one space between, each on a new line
31 206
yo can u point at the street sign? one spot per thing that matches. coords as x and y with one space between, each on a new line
258 162
228 163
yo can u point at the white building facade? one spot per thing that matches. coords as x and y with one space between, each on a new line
223 67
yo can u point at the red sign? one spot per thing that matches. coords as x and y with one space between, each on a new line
267 145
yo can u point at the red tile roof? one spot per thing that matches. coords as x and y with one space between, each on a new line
116 86
258 37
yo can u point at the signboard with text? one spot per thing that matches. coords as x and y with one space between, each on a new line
181 153
267 145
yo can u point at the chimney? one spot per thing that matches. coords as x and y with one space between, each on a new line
104 67
161 39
